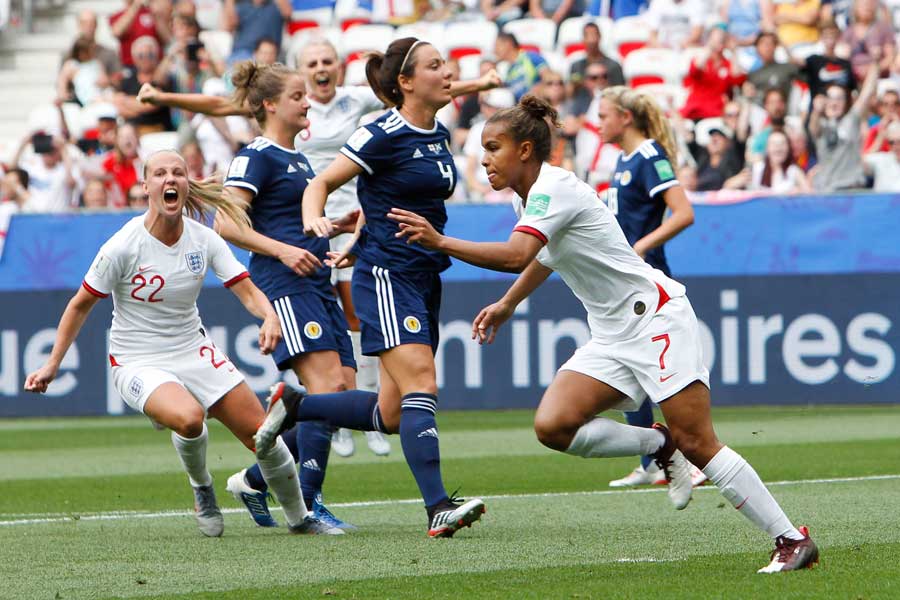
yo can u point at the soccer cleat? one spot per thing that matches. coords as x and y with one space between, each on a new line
342 442
254 500
698 477
793 555
448 517
209 517
313 526
282 406
639 476
378 443
676 468
322 513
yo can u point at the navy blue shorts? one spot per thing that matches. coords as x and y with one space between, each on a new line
395 308
311 323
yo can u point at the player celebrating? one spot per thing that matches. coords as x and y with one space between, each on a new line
643 187
644 335
401 159
163 363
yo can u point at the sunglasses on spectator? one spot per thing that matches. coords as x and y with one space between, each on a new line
731 115
137 197
595 76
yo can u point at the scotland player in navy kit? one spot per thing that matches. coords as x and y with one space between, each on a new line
402 160
643 187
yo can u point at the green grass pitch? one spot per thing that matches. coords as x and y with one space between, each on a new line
99 508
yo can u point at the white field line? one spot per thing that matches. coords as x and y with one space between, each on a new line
40 518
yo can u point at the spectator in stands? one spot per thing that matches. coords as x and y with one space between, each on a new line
837 11
83 77
476 177
552 88
524 66
885 166
556 10
744 20
718 166
141 18
593 54
503 11
109 58
800 148
775 105
594 81
121 165
736 117
835 127
145 117
14 189
687 177
870 40
193 158
52 175
888 112
676 24
769 73
219 137
821 70
253 20
266 51
470 108
778 173
795 20
710 79
94 195
137 197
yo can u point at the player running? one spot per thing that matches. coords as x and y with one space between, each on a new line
644 336
402 159
163 362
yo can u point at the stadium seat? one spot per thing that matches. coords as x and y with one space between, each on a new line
348 13
154 142
217 41
536 35
309 19
301 38
429 31
570 38
652 65
470 38
364 38
629 34
670 96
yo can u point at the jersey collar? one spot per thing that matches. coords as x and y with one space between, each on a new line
413 127
636 150
272 142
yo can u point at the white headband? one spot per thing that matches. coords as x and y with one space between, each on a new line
409 52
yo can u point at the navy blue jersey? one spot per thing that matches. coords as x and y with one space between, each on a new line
277 178
403 167
636 195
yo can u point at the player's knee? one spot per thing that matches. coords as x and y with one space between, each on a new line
551 432
188 423
697 447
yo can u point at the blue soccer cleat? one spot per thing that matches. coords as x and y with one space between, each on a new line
321 513
254 500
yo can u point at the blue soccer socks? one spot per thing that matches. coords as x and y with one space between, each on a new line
419 438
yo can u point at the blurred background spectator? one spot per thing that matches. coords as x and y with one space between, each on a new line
145 117
524 66
253 20
141 18
778 173
477 183
593 54
885 166
710 79
676 24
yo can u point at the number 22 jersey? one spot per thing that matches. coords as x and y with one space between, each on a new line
155 287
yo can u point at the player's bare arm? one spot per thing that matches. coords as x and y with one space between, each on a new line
339 172
301 261
258 305
488 81
215 106
70 323
681 218
489 320
345 258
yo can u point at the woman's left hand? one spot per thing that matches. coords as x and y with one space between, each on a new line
415 228
345 224
269 333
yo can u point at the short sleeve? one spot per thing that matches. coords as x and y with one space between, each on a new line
248 170
105 271
222 261
657 175
369 147
544 215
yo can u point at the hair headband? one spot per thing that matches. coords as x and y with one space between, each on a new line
409 52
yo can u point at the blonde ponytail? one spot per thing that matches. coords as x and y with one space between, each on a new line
208 195
649 118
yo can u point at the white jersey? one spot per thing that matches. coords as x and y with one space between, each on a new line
586 246
155 287
330 126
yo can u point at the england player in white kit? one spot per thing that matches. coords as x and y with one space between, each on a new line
644 335
163 362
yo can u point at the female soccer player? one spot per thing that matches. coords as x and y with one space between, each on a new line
402 159
645 339
643 187
163 363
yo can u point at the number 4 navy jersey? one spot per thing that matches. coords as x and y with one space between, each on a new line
403 167
277 177
635 195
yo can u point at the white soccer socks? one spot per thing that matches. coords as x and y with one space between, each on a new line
740 484
280 472
366 366
605 438
192 452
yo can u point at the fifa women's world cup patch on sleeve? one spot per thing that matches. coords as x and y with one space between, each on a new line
664 169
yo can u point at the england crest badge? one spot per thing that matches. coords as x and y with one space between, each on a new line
194 262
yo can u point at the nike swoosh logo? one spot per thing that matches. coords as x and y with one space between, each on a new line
667 377
142 268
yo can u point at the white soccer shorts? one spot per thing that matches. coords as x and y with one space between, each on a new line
660 361
337 244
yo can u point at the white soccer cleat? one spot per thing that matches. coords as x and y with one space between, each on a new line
267 434
342 442
698 477
378 443
206 509
639 476
679 475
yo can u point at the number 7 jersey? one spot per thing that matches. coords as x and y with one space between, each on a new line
155 287
403 167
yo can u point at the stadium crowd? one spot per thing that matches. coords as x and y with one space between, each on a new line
766 97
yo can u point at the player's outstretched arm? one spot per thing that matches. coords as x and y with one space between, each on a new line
70 324
511 256
340 171
489 320
215 106
259 306
488 81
